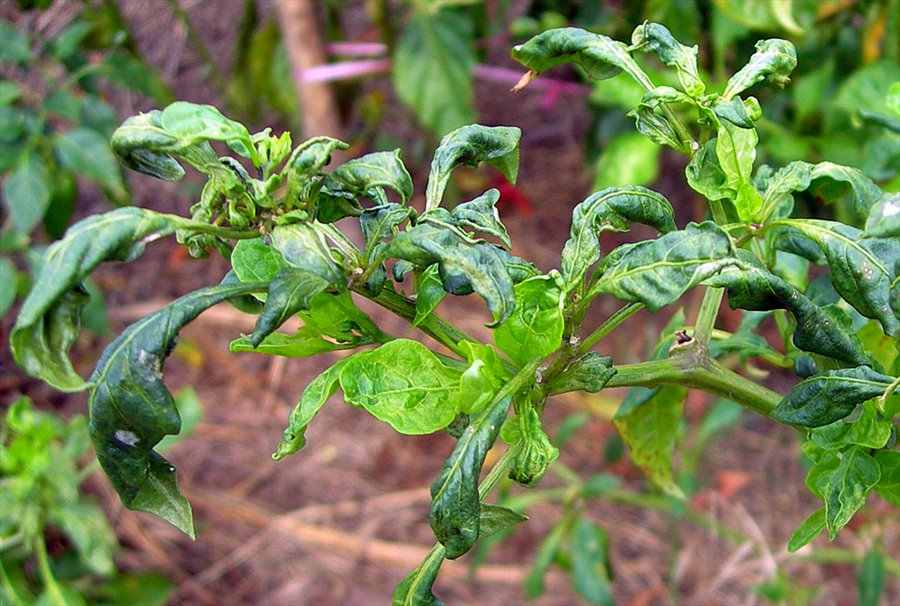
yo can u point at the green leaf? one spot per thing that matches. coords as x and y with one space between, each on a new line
829 397
484 376
808 530
657 39
14 45
481 215
704 174
535 453
884 218
870 578
649 426
432 72
496 519
463 266
591 576
403 384
818 329
415 589
8 277
843 480
889 484
142 144
87 153
192 123
366 176
773 60
736 152
535 328
628 159
599 56
429 293
470 146
9 92
49 318
255 261
455 504
27 192
289 292
863 270
379 224
612 209
311 401
868 430
304 247
657 272
302 344
131 409
591 372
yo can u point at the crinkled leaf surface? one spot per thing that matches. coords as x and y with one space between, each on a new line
535 327
843 480
589 373
481 215
404 384
829 397
736 152
774 60
455 504
290 291
132 410
255 261
658 39
470 146
429 293
367 176
612 209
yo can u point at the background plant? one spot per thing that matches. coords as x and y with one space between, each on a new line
288 249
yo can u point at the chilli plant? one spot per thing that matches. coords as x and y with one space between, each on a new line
277 223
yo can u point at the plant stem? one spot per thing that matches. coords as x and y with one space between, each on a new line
609 325
53 589
706 317
710 376
8 589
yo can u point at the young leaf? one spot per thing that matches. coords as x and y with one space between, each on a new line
481 380
868 430
844 480
311 401
366 176
470 146
736 152
378 225
429 293
535 328
131 409
589 373
481 215
807 531
535 452
48 321
255 261
704 174
612 209
829 397
403 384
432 72
455 504
416 588
774 60
863 270
191 124
26 191
599 56
590 572
658 39
648 422
657 272
143 145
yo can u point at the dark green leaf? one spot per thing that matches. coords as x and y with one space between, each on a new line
404 384
366 176
27 192
131 409
481 215
455 504
379 224
432 72
843 480
289 292
829 397
657 272
48 321
87 153
311 401
612 209
658 39
773 60
884 218
535 328
589 373
470 146
415 588
808 530
649 426
590 563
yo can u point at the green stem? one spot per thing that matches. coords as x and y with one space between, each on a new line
706 317
609 325
8 589
711 377
222 232
54 591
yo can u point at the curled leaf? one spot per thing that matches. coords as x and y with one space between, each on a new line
829 397
658 39
774 60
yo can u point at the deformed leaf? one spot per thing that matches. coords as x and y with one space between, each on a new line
416 588
774 60
736 152
535 453
131 410
535 328
884 218
455 504
48 321
843 480
311 401
704 174
192 123
429 293
589 373
657 272
367 176
829 397
868 429
648 423
289 292
470 146
404 384
481 215
378 225
658 39
612 209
